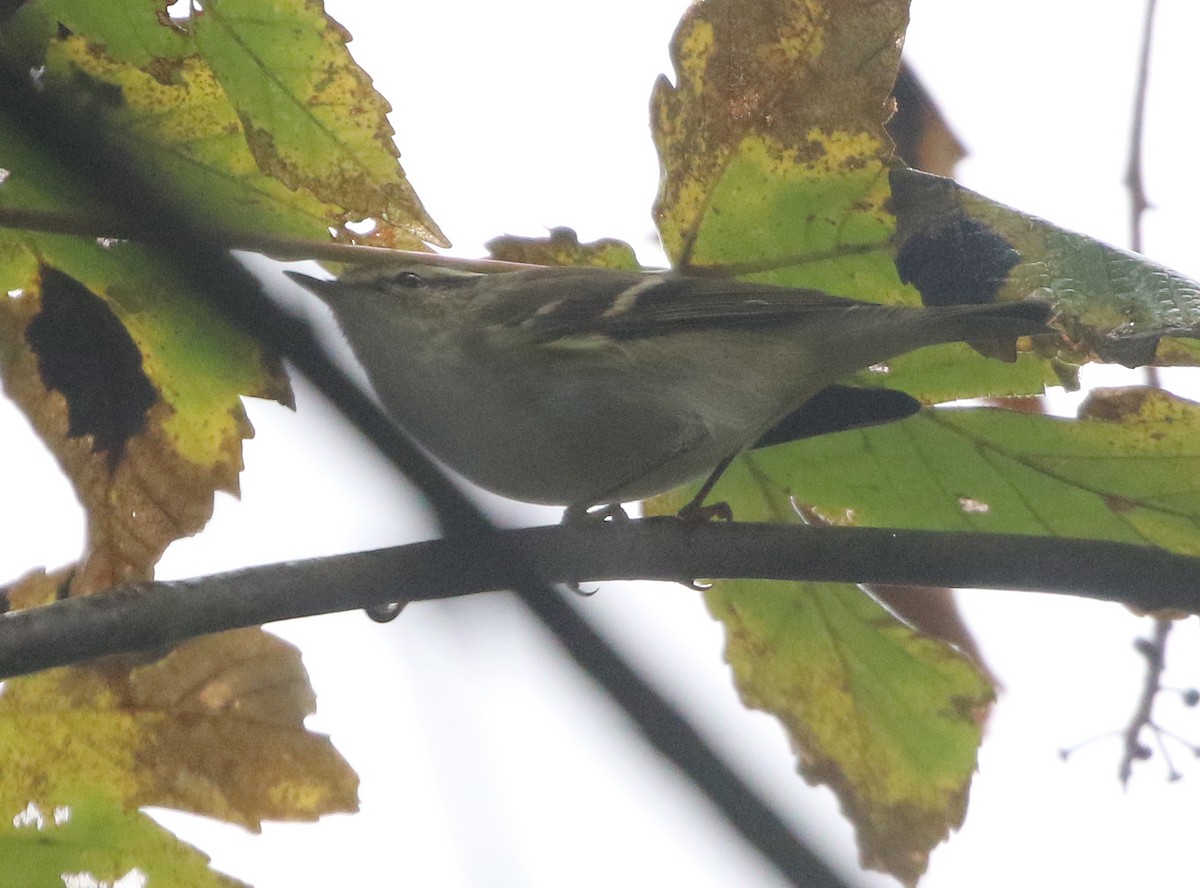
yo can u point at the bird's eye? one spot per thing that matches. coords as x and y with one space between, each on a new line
408 279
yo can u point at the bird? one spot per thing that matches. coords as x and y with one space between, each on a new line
584 387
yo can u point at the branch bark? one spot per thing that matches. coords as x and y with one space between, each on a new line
150 616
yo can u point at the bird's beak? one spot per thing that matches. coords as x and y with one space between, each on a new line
316 285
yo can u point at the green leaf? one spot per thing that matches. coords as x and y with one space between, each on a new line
310 115
88 833
776 166
955 372
138 32
1124 471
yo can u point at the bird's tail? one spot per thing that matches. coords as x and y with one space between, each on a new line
997 320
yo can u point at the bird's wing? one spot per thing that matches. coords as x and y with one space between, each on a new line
569 303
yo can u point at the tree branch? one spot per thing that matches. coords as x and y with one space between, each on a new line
150 616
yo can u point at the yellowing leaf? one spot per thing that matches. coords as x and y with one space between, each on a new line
311 116
888 719
775 162
136 395
772 139
250 116
215 727
187 137
254 116
133 381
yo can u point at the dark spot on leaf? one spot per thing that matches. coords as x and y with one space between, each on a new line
949 257
85 353
962 261
166 71
1127 404
1119 504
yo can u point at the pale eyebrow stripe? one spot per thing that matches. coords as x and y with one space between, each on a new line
627 298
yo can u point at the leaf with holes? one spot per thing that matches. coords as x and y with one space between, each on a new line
90 839
886 718
125 371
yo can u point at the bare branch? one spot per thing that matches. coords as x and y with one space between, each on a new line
1134 177
150 616
1135 181
1155 652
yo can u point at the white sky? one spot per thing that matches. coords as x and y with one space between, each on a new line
485 760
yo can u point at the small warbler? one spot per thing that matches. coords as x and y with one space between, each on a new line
589 386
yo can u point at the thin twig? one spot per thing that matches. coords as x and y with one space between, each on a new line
1134 178
1155 652
1135 181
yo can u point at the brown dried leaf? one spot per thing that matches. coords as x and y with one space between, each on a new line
562 247
216 727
